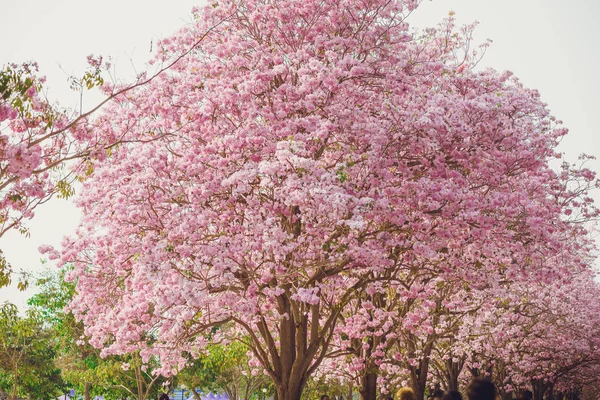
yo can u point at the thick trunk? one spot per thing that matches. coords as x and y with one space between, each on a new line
301 349
417 384
539 389
289 392
368 379
303 332
368 389
293 348
418 375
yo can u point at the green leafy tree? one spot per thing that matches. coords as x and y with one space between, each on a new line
225 368
76 358
27 351
127 376
81 366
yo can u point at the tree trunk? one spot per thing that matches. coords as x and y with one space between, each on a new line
453 370
550 392
13 396
418 375
539 389
232 392
417 383
293 348
368 378
368 387
140 385
86 391
288 392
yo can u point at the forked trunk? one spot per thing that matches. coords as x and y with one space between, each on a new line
453 370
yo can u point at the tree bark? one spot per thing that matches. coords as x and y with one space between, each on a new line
196 394
288 392
416 383
539 389
86 391
368 379
452 372
551 392
13 396
418 374
368 387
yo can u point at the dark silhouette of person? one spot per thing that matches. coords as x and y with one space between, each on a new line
324 397
164 396
452 395
437 395
481 389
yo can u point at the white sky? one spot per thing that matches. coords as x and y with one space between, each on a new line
551 45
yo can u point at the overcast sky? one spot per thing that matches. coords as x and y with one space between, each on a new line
551 45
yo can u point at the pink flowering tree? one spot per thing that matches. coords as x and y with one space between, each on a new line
527 335
42 144
429 320
304 160
37 141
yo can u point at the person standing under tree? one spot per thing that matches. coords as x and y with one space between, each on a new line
406 393
481 389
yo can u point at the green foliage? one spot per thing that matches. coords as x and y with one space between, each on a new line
64 189
115 382
27 351
224 368
77 360
5 271
342 174
80 363
15 82
92 77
